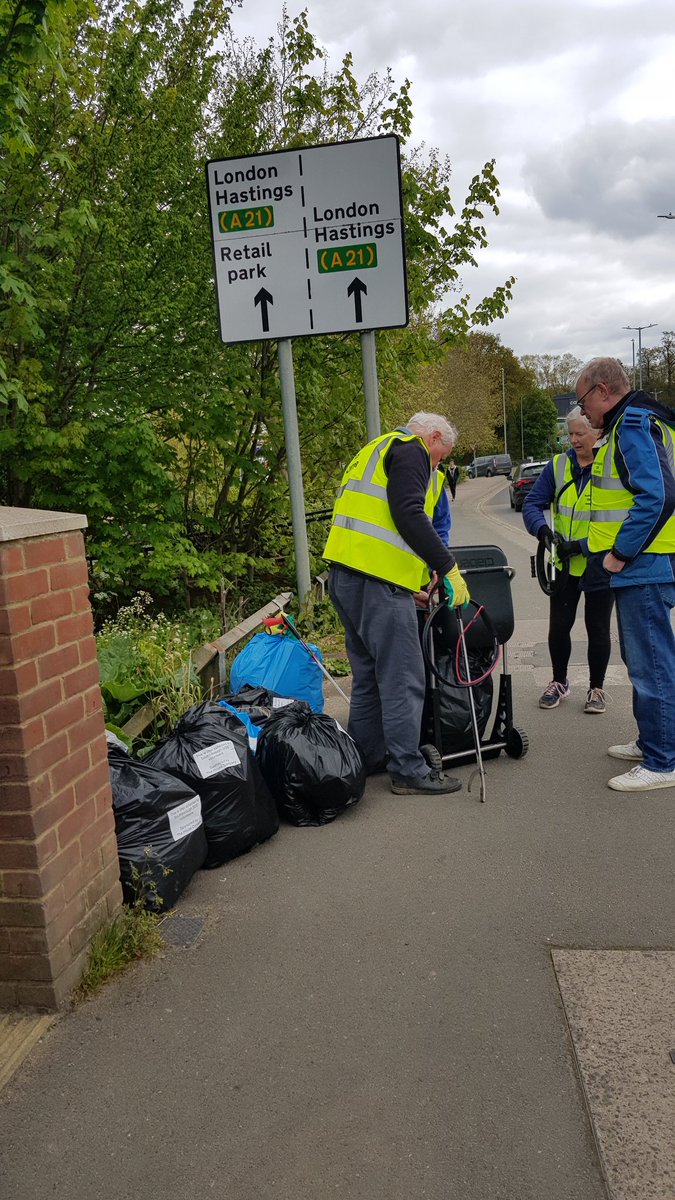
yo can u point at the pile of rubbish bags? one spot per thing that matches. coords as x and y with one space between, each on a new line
219 783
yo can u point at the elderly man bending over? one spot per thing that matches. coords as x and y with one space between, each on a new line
381 546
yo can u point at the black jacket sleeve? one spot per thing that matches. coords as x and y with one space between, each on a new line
407 466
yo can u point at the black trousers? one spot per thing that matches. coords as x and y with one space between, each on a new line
597 615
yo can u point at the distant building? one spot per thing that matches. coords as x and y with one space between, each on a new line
564 403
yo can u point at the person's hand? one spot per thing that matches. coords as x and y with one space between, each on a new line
567 550
613 564
421 598
455 588
546 535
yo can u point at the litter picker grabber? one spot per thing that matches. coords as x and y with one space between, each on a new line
437 600
472 708
288 624
548 574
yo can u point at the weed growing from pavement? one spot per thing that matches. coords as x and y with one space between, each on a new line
133 934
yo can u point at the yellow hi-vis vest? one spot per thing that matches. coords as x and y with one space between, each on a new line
363 535
571 510
611 502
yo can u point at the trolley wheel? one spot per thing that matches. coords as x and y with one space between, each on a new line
433 756
517 744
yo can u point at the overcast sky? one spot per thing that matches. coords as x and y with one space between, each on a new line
576 102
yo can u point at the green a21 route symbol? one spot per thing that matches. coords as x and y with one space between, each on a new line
347 258
237 219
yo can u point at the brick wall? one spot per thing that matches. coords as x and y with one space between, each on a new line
59 875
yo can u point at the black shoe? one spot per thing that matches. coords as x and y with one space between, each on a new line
432 784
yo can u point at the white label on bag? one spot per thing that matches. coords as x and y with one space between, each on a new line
215 759
185 818
343 730
281 701
252 743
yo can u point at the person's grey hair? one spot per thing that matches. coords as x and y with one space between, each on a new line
575 414
424 422
604 370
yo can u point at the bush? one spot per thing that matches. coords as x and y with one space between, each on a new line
149 657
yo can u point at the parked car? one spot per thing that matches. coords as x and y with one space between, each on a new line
490 464
523 479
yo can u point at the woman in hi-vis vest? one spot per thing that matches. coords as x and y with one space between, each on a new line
564 484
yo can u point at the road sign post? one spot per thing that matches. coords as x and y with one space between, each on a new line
370 389
306 242
294 464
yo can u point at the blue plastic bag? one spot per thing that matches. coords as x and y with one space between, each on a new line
252 730
281 664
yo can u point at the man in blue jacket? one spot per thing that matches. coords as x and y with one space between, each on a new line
632 540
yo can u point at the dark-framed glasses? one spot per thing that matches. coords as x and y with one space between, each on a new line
581 399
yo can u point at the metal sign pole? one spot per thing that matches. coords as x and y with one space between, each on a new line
294 462
370 388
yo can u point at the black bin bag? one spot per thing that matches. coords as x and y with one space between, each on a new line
160 832
313 768
259 703
209 750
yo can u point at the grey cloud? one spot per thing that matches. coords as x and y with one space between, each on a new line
611 176
545 88
463 41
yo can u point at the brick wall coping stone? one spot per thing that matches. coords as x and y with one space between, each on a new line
18 523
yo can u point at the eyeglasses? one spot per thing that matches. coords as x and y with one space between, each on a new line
581 399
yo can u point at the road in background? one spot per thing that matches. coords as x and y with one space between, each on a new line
372 1011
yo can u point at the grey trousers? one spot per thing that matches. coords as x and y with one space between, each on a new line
384 652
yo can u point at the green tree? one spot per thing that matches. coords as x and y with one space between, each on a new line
554 374
667 392
540 417
118 399
468 385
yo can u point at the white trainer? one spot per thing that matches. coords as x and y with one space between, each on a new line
631 751
639 779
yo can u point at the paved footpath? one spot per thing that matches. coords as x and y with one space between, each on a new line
427 998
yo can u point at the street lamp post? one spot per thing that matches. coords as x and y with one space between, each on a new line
504 407
522 440
639 333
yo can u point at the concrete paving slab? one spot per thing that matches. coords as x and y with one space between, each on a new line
620 1008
